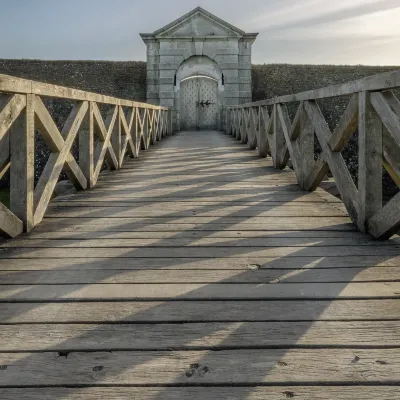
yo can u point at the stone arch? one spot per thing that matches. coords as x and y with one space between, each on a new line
198 49
198 65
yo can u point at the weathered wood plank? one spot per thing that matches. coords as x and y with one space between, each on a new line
199 234
200 393
281 222
346 126
10 224
272 366
205 211
343 179
199 311
22 134
50 175
385 81
198 336
181 291
369 162
13 84
111 276
386 222
10 109
201 252
107 242
389 117
184 263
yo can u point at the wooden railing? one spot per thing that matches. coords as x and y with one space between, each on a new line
373 111
127 128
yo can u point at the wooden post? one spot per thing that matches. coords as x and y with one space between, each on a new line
169 131
86 147
22 141
369 161
275 151
264 121
116 137
245 123
306 139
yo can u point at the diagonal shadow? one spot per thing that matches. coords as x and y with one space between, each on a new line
236 336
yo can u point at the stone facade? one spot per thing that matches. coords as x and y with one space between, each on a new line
198 43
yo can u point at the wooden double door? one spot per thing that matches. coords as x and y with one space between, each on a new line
199 104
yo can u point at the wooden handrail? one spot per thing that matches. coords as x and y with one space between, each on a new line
128 128
373 111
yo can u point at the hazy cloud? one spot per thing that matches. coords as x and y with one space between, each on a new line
308 31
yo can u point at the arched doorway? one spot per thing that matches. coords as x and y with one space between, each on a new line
199 94
199 103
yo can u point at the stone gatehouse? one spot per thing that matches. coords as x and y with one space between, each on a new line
197 64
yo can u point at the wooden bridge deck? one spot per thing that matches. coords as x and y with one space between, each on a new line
199 271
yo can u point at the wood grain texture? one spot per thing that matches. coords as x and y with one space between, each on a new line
198 336
200 393
140 280
148 275
200 311
271 366
188 263
192 291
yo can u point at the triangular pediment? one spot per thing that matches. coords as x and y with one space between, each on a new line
199 22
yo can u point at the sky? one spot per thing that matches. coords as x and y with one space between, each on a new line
290 31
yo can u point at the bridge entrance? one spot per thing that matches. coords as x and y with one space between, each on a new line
199 103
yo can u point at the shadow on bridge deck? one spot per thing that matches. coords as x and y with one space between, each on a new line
199 271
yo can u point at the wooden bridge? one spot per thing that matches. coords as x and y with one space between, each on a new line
200 269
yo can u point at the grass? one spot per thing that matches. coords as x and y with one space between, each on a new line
5 197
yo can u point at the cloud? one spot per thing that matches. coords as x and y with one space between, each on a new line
316 12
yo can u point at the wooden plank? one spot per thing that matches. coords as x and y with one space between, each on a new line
185 291
292 145
389 117
213 263
369 162
184 263
10 109
13 84
270 366
165 225
213 211
386 222
198 336
10 224
199 234
86 146
193 242
22 134
343 179
391 157
174 199
199 311
265 123
280 221
199 393
347 124
148 275
385 81
201 252
50 175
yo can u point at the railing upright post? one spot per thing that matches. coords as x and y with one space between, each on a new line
245 131
169 124
306 140
86 146
22 173
370 132
263 121
116 138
